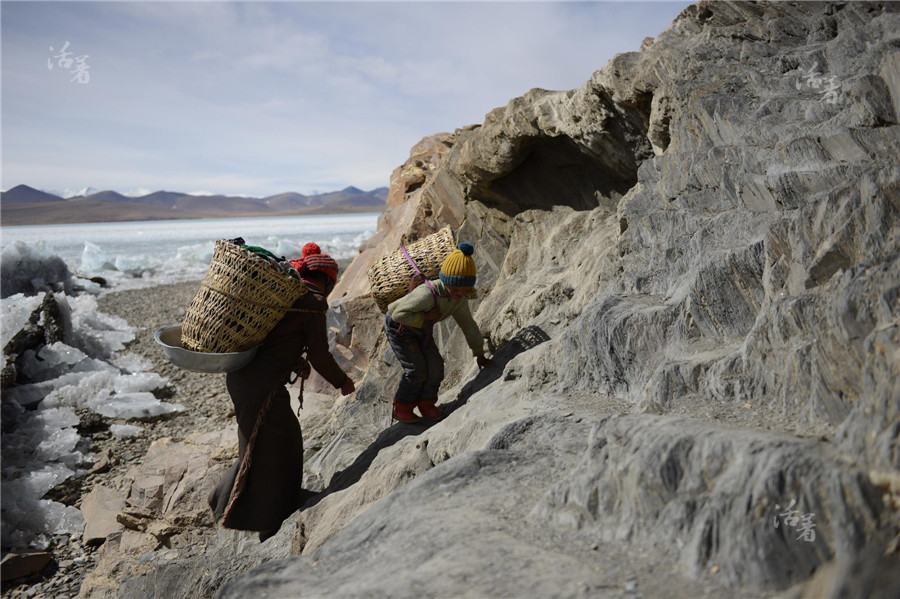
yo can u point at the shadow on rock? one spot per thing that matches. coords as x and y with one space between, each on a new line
352 473
527 338
524 340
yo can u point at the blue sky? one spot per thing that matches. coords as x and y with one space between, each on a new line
258 98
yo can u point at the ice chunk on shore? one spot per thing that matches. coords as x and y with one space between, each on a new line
135 406
59 353
131 362
62 519
96 333
79 392
94 259
52 361
92 389
15 312
60 445
30 269
38 482
143 381
87 285
137 266
191 257
28 522
30 394
21 445
39 455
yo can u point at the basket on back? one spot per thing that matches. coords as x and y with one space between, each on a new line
240 301
390 276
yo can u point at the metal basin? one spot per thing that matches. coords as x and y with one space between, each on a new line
170 339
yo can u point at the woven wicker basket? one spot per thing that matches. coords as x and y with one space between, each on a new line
240 301
390 276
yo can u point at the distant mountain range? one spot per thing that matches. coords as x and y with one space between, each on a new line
24 205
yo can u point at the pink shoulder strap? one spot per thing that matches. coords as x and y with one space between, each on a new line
419 272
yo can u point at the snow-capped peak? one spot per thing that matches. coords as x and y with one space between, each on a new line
69 193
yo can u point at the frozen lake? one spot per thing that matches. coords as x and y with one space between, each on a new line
139 253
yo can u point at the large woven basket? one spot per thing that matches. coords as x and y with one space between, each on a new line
240 301
390 276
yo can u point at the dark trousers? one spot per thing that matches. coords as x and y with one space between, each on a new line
423 367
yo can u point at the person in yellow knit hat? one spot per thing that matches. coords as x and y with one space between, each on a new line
409 322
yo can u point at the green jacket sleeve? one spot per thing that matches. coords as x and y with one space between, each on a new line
463 317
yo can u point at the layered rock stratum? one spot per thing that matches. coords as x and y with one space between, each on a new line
688 276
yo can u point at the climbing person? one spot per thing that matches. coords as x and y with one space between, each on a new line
409 322
263 486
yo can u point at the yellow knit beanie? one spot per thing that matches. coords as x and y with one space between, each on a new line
458 269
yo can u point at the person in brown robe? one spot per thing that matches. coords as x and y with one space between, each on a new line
264 485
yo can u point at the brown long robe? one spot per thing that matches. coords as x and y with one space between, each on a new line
263 486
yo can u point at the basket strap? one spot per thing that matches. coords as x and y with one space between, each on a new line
243 299
419 272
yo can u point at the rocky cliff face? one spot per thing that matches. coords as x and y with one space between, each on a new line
688 268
